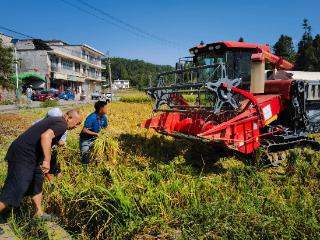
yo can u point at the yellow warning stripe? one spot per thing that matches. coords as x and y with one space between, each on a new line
273 118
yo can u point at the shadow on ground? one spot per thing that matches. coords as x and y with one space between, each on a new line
203 157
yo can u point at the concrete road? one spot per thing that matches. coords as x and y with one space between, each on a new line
36 104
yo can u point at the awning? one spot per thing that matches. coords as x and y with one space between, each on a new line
33 75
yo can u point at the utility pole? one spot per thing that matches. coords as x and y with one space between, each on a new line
17 77
109 70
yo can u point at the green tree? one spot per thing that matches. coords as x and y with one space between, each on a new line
6 63
137 71
306 59
316 45
241 39
284 48
123 72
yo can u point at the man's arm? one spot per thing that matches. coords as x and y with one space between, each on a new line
89 132
63 140
88 124
46 141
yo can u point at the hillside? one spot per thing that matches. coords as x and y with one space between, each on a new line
137 71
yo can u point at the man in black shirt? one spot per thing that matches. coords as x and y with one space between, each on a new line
29 158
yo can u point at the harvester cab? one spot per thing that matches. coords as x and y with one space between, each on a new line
220 94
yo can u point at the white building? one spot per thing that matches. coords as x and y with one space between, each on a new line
6 40
121 84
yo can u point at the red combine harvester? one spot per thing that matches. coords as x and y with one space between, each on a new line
222 95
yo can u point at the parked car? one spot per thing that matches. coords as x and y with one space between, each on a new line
107 97
43 96
54 91
67 95
95 96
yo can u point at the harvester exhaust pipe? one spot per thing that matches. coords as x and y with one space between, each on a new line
257 77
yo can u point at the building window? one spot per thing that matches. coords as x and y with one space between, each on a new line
77 67
54 63
66 64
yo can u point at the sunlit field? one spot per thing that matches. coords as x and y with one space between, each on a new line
141 185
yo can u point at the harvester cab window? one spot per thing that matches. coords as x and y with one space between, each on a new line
212 73
209 59
238 63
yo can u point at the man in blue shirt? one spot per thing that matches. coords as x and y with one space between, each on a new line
92 126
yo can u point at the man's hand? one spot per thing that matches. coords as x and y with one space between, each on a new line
61 142
45 167
59 176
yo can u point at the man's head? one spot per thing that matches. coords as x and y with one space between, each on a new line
100 107
73 118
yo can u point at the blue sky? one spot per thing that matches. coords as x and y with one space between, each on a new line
183 22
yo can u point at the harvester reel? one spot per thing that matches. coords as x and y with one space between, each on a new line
161 96
223 96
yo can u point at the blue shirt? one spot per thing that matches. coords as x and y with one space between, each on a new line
94 123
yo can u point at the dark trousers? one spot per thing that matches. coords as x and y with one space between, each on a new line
85 146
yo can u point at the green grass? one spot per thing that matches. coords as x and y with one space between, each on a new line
49 103
148 185
7 102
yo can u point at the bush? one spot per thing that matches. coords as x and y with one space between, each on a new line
7 102
49 103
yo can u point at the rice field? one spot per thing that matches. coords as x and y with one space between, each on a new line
142 185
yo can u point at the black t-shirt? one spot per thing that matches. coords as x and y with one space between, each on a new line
31 139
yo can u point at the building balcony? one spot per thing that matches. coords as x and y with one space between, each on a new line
67 74
70 52
68 77
94 77
95 62
75 56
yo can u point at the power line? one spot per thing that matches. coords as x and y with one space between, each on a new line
99 17
16 32
126 24
28 36
120 23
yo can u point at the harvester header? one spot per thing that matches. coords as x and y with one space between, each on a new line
221 94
